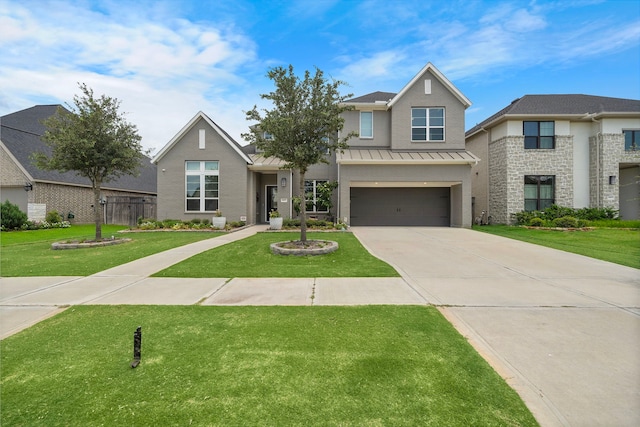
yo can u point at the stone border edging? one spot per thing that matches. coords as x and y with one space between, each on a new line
330 247
79 245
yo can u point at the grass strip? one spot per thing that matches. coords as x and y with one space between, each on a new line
608 244
251 257
29 253
258 366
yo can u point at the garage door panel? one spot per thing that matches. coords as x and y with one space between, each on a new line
400 206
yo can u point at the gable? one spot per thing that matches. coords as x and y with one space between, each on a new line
201 121
430 72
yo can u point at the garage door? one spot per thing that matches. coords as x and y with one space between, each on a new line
400 206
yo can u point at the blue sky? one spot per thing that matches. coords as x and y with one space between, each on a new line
167 60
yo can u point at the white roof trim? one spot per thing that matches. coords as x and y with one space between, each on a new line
445 81
187 127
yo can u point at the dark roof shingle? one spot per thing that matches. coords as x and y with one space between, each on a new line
21 131
370 98
570 104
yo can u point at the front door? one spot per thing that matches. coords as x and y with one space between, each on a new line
272 200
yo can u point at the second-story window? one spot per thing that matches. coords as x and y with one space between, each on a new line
539 135
631 140
366 124
427 124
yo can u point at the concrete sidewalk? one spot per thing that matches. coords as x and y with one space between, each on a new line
25 301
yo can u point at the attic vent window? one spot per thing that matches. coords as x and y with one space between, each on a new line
427 87
201 139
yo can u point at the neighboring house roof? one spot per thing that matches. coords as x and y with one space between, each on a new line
200 115
21 132
387 157
580 106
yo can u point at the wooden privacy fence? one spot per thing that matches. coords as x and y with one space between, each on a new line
124 210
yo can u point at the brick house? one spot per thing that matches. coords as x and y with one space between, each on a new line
571 150
409 165
20 136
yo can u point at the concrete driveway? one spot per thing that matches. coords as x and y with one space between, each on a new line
563 329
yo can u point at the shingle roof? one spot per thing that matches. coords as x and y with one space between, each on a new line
371 98
570 104
20 132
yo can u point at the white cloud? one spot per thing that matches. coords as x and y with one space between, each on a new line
163 71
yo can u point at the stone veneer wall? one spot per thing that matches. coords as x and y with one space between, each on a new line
510 162
606 152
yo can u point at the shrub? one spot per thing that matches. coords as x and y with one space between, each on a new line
555 211
53 217
12 217
536 222
169 223
196 221
565 222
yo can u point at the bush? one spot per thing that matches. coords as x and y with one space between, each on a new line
12 217
536 222
555 212
565 222
53 217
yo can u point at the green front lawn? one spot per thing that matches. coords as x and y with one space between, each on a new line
29 253
253 366
621 246
251 257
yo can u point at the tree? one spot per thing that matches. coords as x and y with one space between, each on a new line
94 140
304 124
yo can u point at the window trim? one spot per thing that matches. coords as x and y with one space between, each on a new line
202 173
538 137
366 136
635 142
538 200
314 202
428 126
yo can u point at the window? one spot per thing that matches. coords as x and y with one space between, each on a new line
366 124
312 196
199 176
427 124
539 192
631 140
267 136
539 135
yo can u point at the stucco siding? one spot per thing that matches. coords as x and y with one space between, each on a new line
480 172
381 128
233 176
415 96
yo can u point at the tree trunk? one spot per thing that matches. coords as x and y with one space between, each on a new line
303 209
97 209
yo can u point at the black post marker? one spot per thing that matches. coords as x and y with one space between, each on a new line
137 344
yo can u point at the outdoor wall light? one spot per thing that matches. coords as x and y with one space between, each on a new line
283 182
28 186
103 201
612 180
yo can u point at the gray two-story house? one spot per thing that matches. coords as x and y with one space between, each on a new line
408 166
